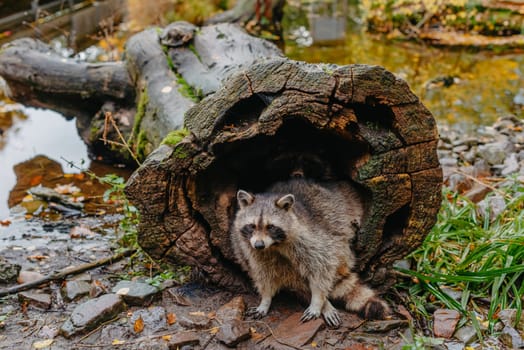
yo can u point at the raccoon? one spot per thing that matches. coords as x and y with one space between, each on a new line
308 165
297 236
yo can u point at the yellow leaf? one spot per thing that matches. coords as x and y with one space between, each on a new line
139 325
43 344
118 342
313 344
166 337
214 330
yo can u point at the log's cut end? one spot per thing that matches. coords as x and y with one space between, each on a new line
356 123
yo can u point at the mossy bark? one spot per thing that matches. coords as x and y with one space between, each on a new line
373 129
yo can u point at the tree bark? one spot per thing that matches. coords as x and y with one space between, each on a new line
367 124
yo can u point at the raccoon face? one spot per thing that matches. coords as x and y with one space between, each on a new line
260 218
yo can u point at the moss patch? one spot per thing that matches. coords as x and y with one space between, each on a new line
139 115
174 137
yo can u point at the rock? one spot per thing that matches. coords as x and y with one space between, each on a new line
233 310
181 339
509 316
90 314
511 165
28 276
136 293
233 332
383 326
294 332
8 272
153 318
491 205
448 162
495 153
444 322
195 321
454 345
511 338
38 300
477 193
47 332
466 334
76 289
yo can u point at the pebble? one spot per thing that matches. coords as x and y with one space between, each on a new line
136 293
28 276
444 322
466 334
73 290
38 300
90 314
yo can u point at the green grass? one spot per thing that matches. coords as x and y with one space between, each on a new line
480 257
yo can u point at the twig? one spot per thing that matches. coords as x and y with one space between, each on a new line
66 272
474 179
109 117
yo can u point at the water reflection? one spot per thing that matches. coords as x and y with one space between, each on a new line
484 84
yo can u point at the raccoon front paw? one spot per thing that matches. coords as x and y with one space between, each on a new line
310 314
257 312
331 316
375 309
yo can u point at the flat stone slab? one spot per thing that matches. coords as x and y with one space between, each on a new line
90 314
181 339
76 289
444 322
39 300
136 293
293 332
233 332
153 319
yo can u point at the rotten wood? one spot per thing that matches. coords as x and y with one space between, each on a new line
60 275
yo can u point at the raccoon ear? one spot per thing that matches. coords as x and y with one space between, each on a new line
244 198
285 202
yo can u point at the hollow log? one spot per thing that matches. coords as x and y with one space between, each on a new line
362 122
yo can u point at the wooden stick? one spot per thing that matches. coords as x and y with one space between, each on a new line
66 272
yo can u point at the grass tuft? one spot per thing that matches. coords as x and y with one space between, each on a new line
469 252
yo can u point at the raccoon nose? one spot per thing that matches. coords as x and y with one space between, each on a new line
259 245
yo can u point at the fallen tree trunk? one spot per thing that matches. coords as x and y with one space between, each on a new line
261 116
364 123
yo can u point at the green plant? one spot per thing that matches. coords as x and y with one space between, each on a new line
470 252
180 275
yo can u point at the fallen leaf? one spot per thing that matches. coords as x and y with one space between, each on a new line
5 222
313 344
138 327
214 330
36 180
43 344
118 342
171 318
212 315
197 313
167 337
27 198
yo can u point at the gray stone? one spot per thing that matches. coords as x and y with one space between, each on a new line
495 153
28 276
383 326
180 340
8 272
466 334
38 300
494 205
76 289
454 345
154 319
448 162
194 321
90 314
511 338
136 293
233 332
444 322
511 165
509 317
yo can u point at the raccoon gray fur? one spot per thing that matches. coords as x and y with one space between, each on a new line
297 236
